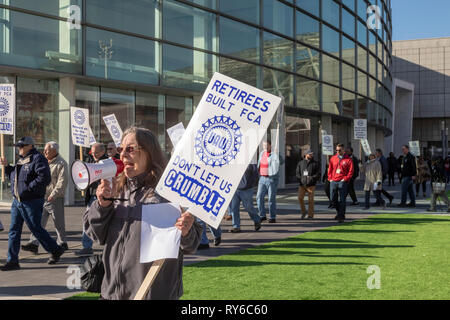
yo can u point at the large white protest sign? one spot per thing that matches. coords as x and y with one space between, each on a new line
366 147
7 108
360 129
414 148
327 145
220 140
114 128
160 239
80 126
176 133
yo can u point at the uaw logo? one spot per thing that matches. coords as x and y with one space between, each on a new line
327 140
218 141
115 132
360 123
4 107
79 117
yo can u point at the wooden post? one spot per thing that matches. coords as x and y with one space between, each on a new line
81 158
149 279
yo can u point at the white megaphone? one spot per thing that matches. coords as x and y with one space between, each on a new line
84 174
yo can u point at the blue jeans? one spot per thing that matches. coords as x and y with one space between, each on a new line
217 233
246 196
407 187
339 189
267 185
29 211
377 196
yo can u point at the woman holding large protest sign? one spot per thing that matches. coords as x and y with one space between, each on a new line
114 220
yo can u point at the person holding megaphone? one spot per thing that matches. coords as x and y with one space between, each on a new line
114 220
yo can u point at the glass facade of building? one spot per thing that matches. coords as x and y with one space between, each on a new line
148 61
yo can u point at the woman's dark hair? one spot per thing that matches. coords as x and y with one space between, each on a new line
156 159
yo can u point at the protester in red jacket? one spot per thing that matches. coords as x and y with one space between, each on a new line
340 172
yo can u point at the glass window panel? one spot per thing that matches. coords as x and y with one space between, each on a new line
189 26
330 40
348 50
362 9
278 52
150 113
278 17
246 10
307 29
206 3
348 77
372 65
111 55
362 83
330 12
56 8
39 43
245 72
308 61
330 70
362 58
312 6
279 83
37 110
348 23
362 107
120 103
350 4
178 109
372 43
330 99
362 33
132 16
372 89
372 111
348 104
308 94
186 68
239 40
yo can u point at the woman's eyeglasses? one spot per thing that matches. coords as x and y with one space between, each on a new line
129 149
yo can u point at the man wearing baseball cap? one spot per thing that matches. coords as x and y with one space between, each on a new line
29 179
308 173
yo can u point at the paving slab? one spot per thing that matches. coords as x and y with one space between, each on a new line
38 280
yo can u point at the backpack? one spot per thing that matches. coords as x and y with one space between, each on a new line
92 273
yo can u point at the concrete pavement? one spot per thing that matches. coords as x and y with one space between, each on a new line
38 280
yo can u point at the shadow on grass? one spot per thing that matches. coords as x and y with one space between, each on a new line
269 251
287 244
400 221
238 264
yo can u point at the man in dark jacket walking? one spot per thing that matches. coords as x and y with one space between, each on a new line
384 168
351 184
29 179
409 170
244 193
308 174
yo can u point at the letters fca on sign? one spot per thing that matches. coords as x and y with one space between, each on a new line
217 146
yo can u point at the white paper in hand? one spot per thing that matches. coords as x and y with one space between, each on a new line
160 239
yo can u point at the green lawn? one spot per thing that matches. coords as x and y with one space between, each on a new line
412 252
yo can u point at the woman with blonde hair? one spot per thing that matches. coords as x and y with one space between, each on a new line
374 177
114 220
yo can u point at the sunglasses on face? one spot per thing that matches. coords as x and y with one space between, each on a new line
129 149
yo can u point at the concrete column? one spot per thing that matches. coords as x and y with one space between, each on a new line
357 150
380 141
5 30
66 148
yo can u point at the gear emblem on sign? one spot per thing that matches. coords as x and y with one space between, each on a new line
115 132
4 107
79 117
218 141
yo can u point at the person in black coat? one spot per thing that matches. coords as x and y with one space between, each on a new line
308 174
438 183
351 184
409 172
392 164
